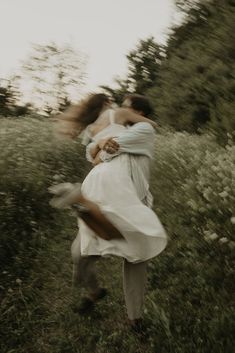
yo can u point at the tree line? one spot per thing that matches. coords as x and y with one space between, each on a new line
190 80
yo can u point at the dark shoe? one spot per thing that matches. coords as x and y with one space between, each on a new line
137 326
100 294
87 304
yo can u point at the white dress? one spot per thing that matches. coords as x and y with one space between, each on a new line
110 185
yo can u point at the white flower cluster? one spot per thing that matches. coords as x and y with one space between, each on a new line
197 177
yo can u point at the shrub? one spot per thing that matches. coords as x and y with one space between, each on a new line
32 158
191 283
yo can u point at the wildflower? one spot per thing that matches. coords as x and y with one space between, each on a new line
210 236
223 194
232 219
56 177
213 236
202 209
223 240
18 281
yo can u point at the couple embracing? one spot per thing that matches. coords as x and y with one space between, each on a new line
114 202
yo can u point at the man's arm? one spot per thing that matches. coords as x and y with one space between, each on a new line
138 139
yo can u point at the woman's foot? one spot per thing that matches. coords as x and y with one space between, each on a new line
66 195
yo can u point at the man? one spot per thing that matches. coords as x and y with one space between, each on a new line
138 142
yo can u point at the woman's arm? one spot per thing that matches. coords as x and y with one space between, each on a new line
91 151
128 116
97 160
94 151
94 148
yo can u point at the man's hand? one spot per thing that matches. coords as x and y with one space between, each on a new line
109 145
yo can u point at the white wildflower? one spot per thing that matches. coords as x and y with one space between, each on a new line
223 194
232 219
208 236
56 177
223 240
213 236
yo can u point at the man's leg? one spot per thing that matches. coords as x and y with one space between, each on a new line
134 284
84 277
84 274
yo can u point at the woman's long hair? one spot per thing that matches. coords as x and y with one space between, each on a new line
77 117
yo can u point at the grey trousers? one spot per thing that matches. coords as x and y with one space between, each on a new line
134 279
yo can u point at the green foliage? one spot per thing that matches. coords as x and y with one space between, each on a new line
55 73
191 80
144 65
8 98
189 298
31 159
117 94
197 77
199 175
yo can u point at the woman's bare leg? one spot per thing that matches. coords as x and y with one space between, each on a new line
95 218
94 225
92 214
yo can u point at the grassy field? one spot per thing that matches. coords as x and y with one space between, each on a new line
189 306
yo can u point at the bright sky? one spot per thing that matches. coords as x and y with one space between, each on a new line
105 30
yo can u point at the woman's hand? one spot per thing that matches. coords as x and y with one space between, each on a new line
97 159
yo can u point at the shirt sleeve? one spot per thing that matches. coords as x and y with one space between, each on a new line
138 139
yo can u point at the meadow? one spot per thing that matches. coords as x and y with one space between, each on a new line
189 305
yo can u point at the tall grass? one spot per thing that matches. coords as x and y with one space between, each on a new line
189 298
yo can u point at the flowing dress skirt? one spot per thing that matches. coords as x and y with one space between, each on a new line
110 186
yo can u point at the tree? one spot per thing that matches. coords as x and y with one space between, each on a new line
55 74
196 87
123 87
144 65
8 96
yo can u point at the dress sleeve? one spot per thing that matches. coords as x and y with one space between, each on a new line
88 151
86 136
